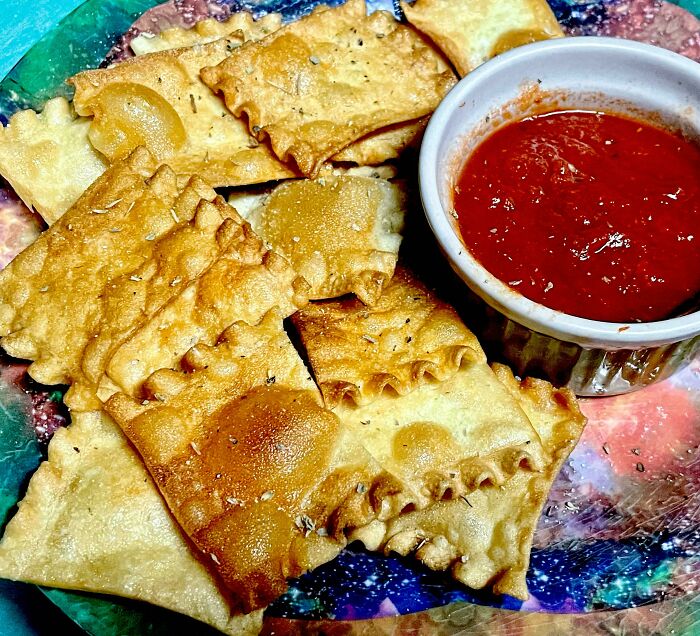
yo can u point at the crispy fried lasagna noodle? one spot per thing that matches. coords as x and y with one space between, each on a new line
207 31
242 284
259 475
406 339
341 233
470 32
316 85
92 520
130 301
47 158
383 145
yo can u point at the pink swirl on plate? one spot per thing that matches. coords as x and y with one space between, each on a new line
654 22
19 227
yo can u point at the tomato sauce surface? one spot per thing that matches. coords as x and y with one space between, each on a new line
593 214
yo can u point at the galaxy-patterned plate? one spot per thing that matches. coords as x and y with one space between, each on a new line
617 549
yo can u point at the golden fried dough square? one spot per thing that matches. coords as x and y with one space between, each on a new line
51 293
257 473
47 158
341 233
485 536
445 439
207 31
93 520
470 32
316 85
243 284
128 302
158 101
407 337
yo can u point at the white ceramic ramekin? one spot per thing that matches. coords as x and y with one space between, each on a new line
592 357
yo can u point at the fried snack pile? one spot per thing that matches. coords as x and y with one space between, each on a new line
244 283
313 87
260 476
177 259
484 536
410 380
207 462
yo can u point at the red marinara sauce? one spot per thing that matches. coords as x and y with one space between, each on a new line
593 214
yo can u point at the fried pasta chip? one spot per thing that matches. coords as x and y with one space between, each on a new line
470 32
257 473
159 101
408 337
93 520
410 381
207 31
485 536
444 440
316 85
384 145
243 284
341 233
129 301
47 158
51 293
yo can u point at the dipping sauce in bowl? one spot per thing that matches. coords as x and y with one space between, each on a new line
593 214
601 298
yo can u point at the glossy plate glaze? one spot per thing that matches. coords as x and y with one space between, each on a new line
617 549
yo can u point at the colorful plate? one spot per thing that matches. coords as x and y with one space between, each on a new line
621 530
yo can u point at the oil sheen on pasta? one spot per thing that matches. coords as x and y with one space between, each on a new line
593 214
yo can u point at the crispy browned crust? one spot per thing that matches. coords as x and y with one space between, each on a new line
373 149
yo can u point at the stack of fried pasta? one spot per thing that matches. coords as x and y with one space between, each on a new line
206 463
